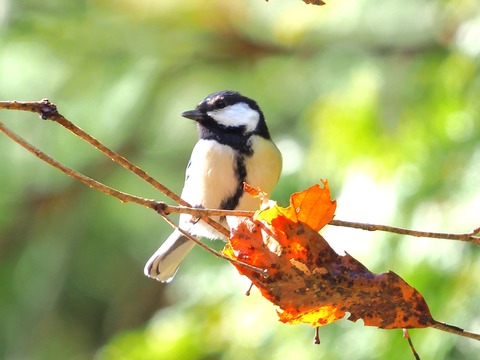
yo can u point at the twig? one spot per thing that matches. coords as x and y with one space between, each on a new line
406 335
316 337
197 212
469 237
455 330
120 195
48 111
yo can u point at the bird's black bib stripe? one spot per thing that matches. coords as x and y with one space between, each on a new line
232 201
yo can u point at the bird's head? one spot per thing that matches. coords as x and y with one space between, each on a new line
228 112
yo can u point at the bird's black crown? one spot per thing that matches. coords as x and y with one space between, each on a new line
224 98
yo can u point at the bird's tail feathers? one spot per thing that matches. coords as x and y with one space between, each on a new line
163 265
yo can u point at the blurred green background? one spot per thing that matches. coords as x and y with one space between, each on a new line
380 98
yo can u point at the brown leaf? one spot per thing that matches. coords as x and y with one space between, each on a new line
314 2
308 280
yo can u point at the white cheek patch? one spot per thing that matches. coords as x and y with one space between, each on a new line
235 116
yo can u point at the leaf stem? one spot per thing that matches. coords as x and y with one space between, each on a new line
455 330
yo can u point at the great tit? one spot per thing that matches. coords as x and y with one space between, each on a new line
234 146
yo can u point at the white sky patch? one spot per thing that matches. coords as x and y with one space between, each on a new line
467 37
361 200
236 115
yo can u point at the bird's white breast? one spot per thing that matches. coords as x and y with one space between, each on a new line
210 179
211 176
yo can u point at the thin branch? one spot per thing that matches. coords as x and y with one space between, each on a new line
122 196
197 212
406 335
468 237
48 111
455 330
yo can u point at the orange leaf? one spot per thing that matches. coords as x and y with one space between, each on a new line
308 280
312 207
258 193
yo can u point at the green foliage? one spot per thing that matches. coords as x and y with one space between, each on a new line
381 99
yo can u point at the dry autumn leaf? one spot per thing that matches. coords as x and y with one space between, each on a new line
308 280
314 2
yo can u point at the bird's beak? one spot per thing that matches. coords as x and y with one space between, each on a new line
192 114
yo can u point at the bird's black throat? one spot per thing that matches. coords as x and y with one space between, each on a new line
233 137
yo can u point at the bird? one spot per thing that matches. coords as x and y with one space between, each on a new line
234 147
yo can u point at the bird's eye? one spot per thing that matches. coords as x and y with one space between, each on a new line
220 104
